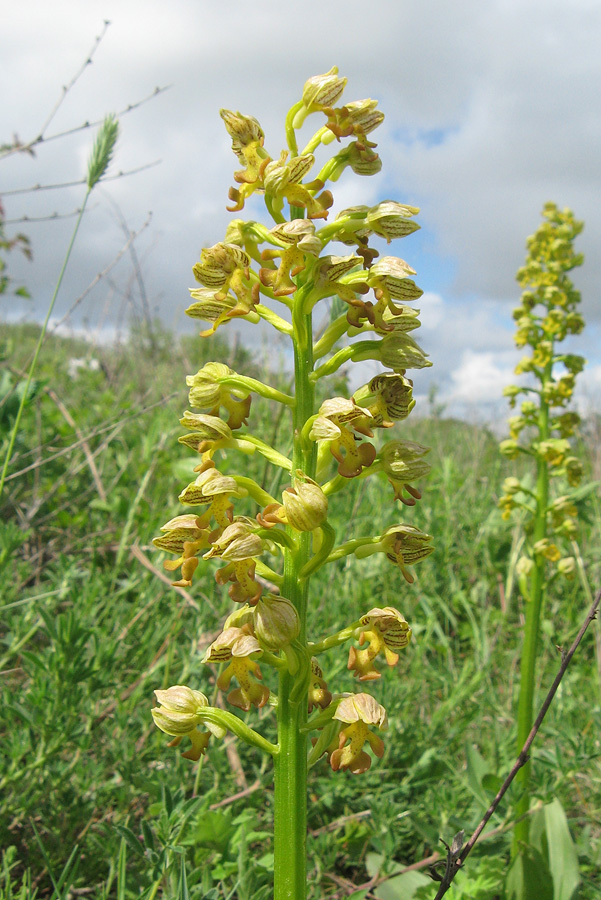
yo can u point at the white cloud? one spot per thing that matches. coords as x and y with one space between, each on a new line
480 378
491 110
432 311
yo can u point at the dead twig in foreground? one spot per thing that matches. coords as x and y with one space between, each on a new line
458 852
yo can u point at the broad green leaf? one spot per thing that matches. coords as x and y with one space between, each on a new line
528 877
477 770
399 887
402 887
550 832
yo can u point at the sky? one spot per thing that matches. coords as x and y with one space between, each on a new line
492 108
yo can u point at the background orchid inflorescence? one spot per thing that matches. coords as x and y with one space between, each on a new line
543 432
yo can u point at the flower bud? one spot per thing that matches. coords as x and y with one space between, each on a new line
511 486
510 449
305 505
545 548
319 695
276 622
323 90
243 130
574 471
567 567
178 713
524 566
392 220
400 352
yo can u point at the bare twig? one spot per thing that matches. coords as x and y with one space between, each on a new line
65 184
88 61
137 554
244 793
457 856
20 147
94 433
84 444
133 236
49 218
69 474
137 270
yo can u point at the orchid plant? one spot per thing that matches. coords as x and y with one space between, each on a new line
547 315
278 274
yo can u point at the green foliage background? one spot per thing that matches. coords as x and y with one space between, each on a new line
91 799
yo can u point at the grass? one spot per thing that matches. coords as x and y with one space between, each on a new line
89 629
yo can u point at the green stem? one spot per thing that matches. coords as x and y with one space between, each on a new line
290 801
267 451
290 132
531 629
34 361
333 332
334 640
256 491
228 720
252 384
321 557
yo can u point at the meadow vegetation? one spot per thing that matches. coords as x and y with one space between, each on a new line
92 803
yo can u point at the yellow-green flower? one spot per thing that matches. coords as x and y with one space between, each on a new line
406 545
389 398
211 489
186 536
386 631
358 712
179 715
239 647
237 544
402 463
333 425
247 143
207 392
322 91
282 181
